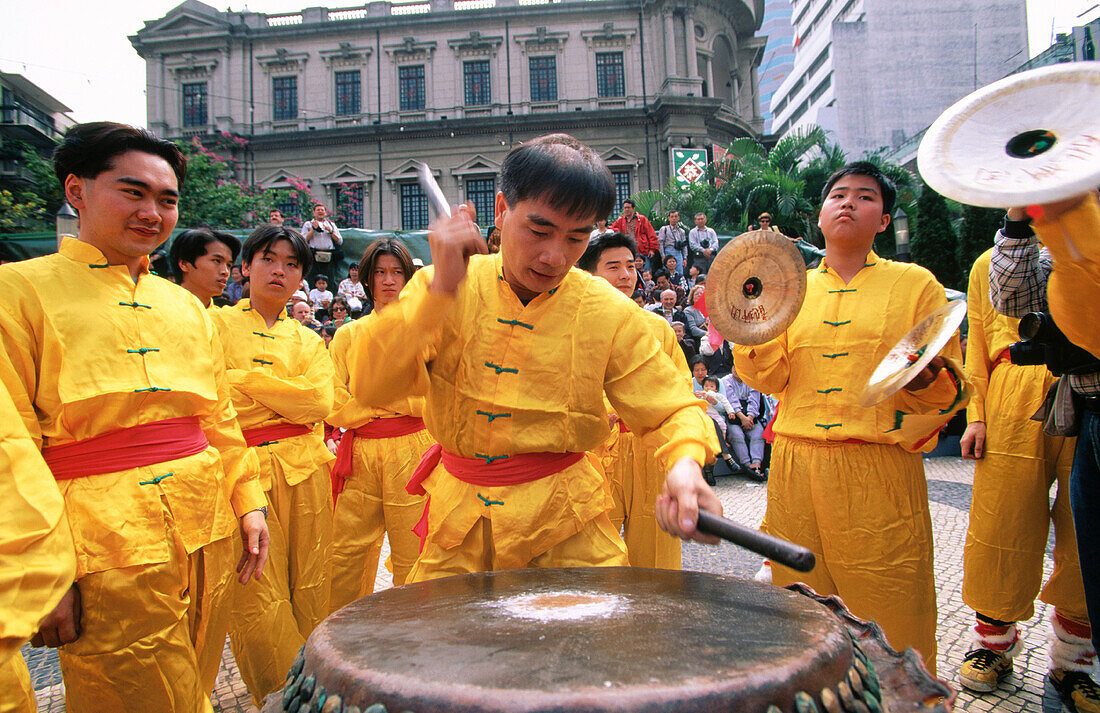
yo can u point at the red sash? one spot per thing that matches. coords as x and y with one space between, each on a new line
378 428
146 444
513 470
622 427
274 432
1004 357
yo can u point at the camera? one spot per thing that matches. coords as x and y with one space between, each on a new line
1042 343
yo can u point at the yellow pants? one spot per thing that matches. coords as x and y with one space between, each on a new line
1010 510
151 635
373 504
272 617
597 545
636 479
863 511
16 693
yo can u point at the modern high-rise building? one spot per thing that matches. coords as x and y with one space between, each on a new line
348 99
875 72
779 54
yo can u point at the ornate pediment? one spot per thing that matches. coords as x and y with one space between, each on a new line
346 54
542 40
478 164
191 66
283 61
617 156
609 36
187 18
410 50
346 173
476 45
282 179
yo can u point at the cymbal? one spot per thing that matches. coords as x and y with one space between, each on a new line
913 352
755 287
1032 137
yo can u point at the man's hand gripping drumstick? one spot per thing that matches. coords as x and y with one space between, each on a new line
678 505
452 241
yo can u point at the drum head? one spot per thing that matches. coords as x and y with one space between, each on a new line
755 287
1029 138
589 639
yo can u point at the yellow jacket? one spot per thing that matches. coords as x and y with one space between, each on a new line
87 351
348 412
990 334
1074 286
278 375
502 378
822 362
37 562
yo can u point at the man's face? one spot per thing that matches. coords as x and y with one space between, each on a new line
679 330
387 280
235 273
207 277
852 212
699 371
673 219
628 210
668 299
128 210
765 221
319 212
301 312
273 274
700 221
616 265
539 244
275 218
662 282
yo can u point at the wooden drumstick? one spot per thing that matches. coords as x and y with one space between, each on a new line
777 550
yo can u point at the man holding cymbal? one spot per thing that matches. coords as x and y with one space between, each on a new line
846 481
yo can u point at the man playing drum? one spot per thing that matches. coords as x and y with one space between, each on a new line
846 481
514 352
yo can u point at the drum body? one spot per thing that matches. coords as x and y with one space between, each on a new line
596 639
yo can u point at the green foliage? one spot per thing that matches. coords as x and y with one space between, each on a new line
18 212
979 225
933 243
212 195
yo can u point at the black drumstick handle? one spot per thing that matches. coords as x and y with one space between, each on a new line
777 550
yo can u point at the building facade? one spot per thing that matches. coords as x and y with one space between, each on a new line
349 99
29 116
876 72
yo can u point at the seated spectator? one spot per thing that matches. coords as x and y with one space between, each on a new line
351 289
667 308
686 343
696 323
747 441
698 373
236 285
340 313
639 266
721 412
719 361
694 274
302 312
328 331
601 228
320 297
647 280
663 283
639 297
675 277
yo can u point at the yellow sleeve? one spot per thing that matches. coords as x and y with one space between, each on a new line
978 361
650 396
242 468
338 355
390 358
942 395
306 398
37 557
1075 281
765 367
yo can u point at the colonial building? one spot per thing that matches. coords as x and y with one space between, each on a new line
349 99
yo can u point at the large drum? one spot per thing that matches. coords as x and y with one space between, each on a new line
601 639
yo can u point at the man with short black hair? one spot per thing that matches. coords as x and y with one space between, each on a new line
637 226
201 260
839 471
275 217
514 352
672 240
324 240
117 378
702 244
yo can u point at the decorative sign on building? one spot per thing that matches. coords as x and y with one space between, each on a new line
689 165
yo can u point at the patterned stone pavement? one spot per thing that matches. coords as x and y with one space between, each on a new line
949 483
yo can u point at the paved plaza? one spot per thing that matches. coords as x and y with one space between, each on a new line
949 483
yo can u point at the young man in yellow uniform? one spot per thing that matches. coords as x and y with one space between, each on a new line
281 381
1010 513
847 481
201 259
633 472
514 353
114 371
381 447
37 563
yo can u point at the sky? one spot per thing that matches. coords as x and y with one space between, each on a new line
79 51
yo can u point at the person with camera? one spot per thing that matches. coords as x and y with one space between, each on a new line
672 241
324 241
1020 274
1015 466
